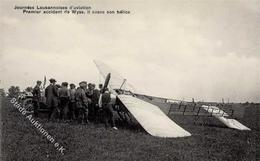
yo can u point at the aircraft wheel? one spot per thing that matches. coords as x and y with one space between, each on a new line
28 105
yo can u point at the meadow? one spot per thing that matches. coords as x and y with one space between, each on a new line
21 141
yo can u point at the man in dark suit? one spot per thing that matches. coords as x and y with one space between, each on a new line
64 96
36 98
51 94
72 101
95 106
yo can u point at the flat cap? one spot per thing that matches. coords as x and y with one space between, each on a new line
52 80
83 83
64 83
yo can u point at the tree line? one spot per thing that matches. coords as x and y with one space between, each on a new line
14 91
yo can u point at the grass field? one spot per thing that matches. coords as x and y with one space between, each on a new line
21 140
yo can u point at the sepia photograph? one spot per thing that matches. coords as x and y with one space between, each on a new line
168 80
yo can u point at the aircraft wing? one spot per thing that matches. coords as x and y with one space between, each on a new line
151 118
214 110
218 113
116 80
222 116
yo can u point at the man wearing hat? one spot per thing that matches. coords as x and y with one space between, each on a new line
51 94
36 97
82 102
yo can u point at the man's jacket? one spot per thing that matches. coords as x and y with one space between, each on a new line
36 93
81 98
51 91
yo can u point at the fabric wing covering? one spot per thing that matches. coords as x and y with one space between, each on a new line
116 79
152 119
221 116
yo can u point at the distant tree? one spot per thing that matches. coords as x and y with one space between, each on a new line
13 91
2 92
29 89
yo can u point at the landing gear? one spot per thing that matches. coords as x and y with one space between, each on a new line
28 105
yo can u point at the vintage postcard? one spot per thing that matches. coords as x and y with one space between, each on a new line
99 80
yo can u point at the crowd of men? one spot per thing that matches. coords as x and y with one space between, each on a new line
83 103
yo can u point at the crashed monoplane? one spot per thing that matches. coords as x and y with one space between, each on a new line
152 117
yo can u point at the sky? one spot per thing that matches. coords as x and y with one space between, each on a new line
206 50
